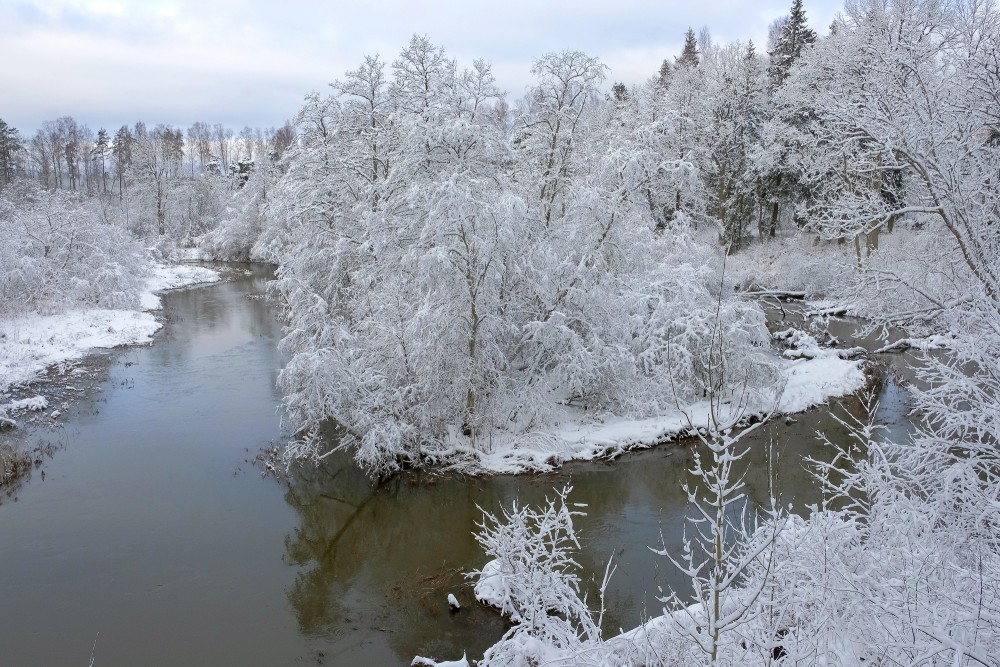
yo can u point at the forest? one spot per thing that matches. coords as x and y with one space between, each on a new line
466 277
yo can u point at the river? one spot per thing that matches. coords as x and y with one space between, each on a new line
153 539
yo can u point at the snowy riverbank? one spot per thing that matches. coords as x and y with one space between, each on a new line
579 437
33 343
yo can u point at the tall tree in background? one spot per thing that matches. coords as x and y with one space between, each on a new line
282 139
778 163
122 151
199 142
794 35
222 138
101 149
53 138
689 55
737 90
662 79
11 146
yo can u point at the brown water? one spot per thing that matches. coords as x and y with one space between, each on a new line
152 535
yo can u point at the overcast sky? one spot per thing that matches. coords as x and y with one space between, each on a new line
249 62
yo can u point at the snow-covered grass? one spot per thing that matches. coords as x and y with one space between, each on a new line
31 343
581 437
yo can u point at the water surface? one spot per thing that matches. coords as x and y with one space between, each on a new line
153 534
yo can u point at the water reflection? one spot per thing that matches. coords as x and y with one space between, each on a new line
379 561
142 531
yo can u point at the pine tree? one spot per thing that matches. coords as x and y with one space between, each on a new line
689 56
663 76
619 92
795 35
122 151
101 149
10 145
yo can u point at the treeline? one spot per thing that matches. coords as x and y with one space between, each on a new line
83 214
66 154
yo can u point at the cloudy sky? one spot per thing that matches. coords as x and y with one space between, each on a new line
249 62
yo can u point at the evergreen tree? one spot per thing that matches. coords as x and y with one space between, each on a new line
122 150
663 76
795 35
10 145
689 56
101 149
619 92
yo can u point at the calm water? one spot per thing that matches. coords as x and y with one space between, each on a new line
153 535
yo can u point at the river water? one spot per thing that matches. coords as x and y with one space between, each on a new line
153 539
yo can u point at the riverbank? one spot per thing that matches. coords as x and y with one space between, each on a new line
581 436
34 343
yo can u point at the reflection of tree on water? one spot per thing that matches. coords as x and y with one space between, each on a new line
329 502
377 562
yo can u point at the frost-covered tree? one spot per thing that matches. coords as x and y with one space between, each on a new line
121 149
729 555
11 147
533 580
100 152
902 94
737 90
453 274
57 254
792 37
689 53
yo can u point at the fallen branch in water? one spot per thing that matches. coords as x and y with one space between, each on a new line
776 294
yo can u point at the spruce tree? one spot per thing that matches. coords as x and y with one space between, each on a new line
101 149
795 35
689 56
663 76
10 145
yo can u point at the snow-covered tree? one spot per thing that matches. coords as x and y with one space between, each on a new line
451 278
793 36
532 579
11 148
737 94
57 254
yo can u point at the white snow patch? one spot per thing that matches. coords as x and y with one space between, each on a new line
166 277
810 382
420 661
491 588
33 404
807 383
31 343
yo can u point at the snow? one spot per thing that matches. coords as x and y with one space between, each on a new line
33 404
164 277
811 382
32 343
490 588
13 408
807 383
453 602
420 661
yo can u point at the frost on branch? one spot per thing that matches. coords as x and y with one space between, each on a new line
454 276
532 578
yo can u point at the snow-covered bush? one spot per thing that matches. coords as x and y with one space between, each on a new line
240 234
532 579
58 253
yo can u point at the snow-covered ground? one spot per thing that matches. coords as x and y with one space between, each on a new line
578 437
31 343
